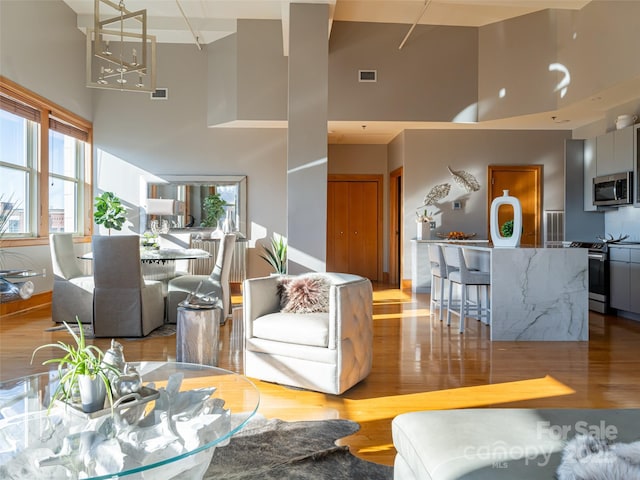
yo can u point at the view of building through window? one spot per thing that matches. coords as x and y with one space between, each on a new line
22 193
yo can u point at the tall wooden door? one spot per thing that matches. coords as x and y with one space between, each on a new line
354 225
524 183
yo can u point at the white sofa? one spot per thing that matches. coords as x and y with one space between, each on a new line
498 443
326 352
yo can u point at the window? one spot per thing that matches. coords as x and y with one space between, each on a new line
45 162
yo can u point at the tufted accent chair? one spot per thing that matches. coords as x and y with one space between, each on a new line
325 352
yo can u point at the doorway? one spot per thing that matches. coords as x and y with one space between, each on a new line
525 183
395 227
354 225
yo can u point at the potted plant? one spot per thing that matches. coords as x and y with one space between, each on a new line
213 206
110 212
81 372
276 255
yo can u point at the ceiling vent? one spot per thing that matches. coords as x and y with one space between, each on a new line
159 94
367 75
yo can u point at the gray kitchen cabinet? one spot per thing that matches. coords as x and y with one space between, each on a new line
614 152
589 173
624 279
604 155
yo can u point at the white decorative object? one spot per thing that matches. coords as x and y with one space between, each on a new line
467 181
424 231
494 226
624 121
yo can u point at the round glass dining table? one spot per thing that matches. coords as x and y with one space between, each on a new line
171 433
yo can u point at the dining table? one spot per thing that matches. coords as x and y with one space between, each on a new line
160 264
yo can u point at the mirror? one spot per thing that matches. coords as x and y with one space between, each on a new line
191 191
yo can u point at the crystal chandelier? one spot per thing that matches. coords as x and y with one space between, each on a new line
120 54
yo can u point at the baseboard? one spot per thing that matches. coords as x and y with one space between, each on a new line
17 306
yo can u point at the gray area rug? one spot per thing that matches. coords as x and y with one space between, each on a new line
163 331
275 449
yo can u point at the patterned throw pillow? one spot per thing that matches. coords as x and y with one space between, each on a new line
305 294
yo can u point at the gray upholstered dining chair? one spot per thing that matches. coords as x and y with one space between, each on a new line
72 290
125 305
215 284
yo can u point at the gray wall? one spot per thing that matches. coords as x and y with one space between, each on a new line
42 50
433 78
596 45
427 153
171 137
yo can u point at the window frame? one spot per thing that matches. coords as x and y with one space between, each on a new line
39 197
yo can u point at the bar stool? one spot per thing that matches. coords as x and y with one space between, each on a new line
464 277
438 271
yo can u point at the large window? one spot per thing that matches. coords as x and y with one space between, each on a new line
45 166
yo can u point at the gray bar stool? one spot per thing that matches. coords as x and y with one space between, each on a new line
439 273
464 277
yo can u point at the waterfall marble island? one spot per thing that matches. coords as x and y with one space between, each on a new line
537 294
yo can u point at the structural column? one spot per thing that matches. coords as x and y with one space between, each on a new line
307 137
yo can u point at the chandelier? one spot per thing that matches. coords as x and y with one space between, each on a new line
120 53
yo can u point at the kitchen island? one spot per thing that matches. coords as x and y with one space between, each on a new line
537 294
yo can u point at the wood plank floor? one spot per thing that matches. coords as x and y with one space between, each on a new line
419 364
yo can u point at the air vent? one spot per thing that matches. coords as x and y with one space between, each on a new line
367 75
159 94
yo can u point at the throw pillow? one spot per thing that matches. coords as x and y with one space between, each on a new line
306 294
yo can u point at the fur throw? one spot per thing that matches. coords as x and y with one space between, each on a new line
305 294
588 458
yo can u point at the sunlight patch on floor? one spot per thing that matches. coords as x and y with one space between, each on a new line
418 312
466 397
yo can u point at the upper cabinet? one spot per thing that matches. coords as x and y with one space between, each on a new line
614 152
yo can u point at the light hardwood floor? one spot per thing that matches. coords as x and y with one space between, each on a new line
419 364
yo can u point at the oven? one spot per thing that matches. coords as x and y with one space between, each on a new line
598 274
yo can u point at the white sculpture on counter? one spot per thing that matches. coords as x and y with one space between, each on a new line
497 238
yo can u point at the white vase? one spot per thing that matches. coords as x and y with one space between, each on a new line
494 225
92 393
424 231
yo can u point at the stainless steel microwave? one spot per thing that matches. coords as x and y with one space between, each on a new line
616 189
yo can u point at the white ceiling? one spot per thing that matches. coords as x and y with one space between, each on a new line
209 20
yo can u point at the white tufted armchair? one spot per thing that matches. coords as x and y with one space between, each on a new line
325 352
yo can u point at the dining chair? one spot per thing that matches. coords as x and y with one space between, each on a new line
215 284
72 290
125 304
465 276
438 275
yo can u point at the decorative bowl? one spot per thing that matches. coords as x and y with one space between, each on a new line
456 235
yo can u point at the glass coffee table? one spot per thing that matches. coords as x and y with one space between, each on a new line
171 433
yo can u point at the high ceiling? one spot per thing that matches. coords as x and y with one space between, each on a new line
204 21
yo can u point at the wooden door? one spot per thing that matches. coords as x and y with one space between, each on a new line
524 183
354 225
395 232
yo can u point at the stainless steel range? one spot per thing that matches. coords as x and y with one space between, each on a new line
598 274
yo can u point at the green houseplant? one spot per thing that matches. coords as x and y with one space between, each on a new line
276 255
81 372
110 212
213 207
507 228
